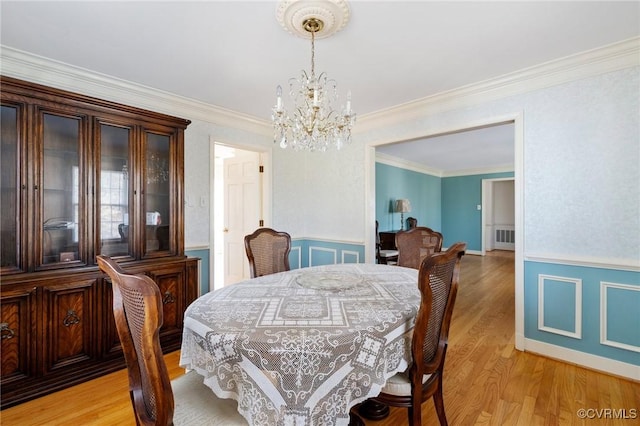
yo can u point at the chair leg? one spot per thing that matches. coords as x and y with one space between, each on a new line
439 403
415 412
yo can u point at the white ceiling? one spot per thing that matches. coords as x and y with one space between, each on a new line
484 148
234 53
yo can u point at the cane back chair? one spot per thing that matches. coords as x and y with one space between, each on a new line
416 244
137 308
438 282
267 251
412 222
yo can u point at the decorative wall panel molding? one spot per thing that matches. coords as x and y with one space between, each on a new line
606 314
554 281
298 255
312 249
353 254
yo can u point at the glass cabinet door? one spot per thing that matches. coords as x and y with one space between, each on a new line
114 211
157 184
9 201
62 204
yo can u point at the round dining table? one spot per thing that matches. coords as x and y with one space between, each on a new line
302 347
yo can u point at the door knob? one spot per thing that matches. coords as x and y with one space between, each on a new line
225 230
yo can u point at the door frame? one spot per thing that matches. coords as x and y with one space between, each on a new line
267 210
370 196
487 199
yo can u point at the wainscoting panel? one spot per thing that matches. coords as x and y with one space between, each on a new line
295 257
324 252
560 305
322 256
349 256
615 329
576 309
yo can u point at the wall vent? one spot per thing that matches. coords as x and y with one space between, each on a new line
505 238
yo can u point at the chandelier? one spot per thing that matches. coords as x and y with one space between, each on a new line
316 122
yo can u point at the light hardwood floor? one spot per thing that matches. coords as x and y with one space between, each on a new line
486 382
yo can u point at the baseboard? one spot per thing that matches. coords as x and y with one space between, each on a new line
593 362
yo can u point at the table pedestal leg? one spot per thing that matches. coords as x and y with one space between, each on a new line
374 410
354 420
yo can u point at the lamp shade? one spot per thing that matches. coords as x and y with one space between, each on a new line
403 206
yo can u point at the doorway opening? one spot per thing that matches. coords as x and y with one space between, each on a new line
517 157
498 215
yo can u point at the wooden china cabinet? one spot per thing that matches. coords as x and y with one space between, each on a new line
80 177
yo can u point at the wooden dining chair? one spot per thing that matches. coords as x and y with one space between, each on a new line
137 308
412 222
267 251
438 283
416 244
384 256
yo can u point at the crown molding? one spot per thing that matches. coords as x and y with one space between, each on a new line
401 163
420 168
38 69
27 66
613 57
505 168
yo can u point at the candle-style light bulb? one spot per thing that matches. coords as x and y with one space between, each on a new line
279 98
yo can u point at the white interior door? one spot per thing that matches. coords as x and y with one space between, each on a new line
242 211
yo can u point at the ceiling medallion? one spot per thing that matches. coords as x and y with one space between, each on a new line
316 123
291 14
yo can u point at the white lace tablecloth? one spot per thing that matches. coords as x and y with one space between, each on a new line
302 347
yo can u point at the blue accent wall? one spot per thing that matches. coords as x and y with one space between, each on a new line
447 205
461 220
421 189
608 295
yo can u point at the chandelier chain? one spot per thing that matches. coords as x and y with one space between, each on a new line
313 54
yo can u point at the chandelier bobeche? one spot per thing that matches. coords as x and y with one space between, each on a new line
316 122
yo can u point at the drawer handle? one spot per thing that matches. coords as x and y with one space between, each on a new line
71 318
5 331
168 298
